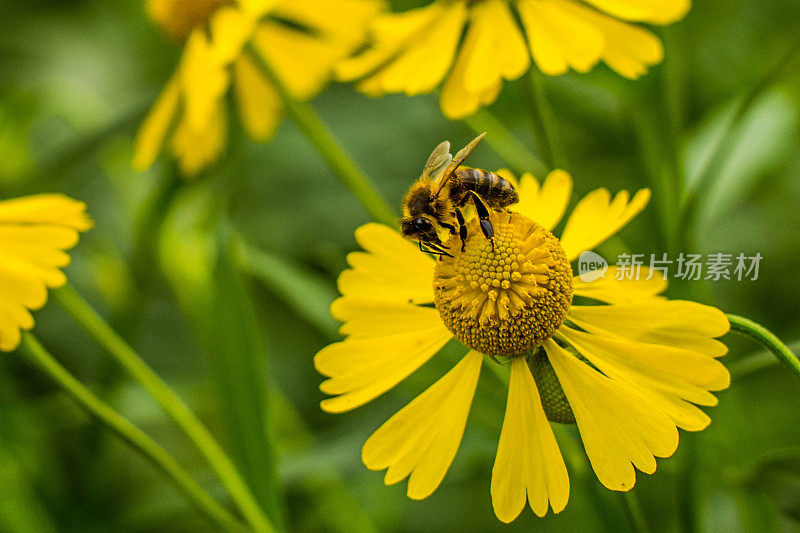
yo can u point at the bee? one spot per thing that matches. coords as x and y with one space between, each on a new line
435 201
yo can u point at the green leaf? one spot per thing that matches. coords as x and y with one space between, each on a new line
306 293
20 510
730 157
239 365
200 256
778 477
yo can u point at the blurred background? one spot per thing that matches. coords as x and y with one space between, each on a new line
78 76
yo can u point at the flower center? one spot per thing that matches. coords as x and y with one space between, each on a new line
177 18
507 300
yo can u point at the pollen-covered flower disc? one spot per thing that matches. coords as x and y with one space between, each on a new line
508 295
627 366
416 51
35 231
299 40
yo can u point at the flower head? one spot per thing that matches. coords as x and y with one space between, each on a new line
625 364
300 41
177 18
508 295
35 231
412 52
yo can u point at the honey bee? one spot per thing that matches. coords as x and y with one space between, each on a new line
444 188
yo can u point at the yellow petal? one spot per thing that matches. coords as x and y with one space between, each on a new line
303 62
260 107
153 131
203 81
390 269
628 49
52 209
423 63
344 21
693 367
196 149
230 30
544 205
618 291
400 28
34 233
597 217
369 317
499 50
655 11
456 100
362 64
681 324
255 9
360 369
528 461
671 379
421 440
391 32
560 39
620 428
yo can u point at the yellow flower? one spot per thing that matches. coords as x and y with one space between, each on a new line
412 52
628 366
34 232
300 41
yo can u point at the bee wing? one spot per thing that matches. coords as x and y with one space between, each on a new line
438 160
460 157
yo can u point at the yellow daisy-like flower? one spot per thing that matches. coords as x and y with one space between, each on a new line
300 41
35 231
626 365
412 52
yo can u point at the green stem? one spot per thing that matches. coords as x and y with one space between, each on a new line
633 510
541 119
662 176
505 144
688 496
222 465
311 125
39 356
767 339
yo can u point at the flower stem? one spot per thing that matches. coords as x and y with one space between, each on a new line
222 465
767 339
633 510
39 356
541 119
311 125
505 144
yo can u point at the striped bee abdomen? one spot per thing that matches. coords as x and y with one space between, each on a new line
496 191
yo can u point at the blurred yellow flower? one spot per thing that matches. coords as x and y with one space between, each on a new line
412 52
34 232
628 366
300 41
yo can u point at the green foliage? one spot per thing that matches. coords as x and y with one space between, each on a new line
223 284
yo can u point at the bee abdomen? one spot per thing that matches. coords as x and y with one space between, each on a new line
495 190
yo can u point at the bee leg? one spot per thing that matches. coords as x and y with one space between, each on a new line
462 228
439 249
433 249
448 227
483 217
